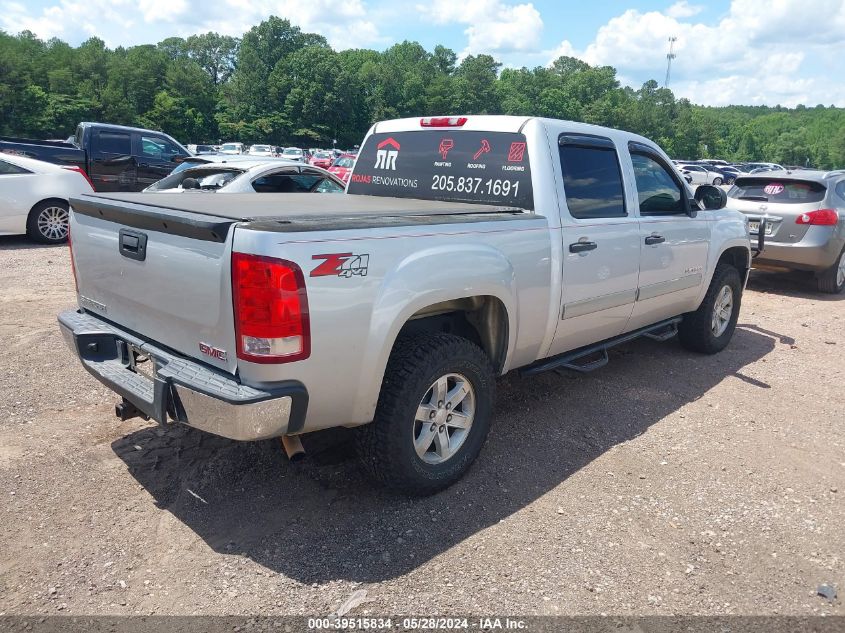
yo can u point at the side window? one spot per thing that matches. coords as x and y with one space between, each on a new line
592 178
659 193
158 147
280 182
840 189
8 169
113 143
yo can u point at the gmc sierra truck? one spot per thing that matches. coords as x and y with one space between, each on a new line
465 247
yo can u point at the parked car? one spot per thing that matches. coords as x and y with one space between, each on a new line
394 306
261 150
204 149
765 166
232 148
805 220
294 153
342 166
115 157
321 159
34 197
702 174
248 176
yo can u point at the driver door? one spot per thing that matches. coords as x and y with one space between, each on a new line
674 242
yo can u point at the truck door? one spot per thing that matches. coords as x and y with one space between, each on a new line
674 244
110 156
601 245
156 157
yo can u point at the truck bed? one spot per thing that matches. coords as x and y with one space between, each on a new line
208 215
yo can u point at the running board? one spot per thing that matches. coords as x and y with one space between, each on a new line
662 331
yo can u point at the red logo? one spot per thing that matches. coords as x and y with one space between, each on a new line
445 145
208 350
516 152
484 149
341 265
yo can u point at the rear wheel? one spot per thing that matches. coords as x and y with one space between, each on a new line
709 329
48 222
433 414
717 181
832 280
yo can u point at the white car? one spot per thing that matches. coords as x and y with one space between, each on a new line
34 197
701 175
294 153
232 148
250 176
261 150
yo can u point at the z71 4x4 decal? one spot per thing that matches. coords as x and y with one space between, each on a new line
341 265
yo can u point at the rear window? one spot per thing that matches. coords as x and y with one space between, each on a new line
452 165
209 178
777 190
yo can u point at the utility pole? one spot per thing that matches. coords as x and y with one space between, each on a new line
669 57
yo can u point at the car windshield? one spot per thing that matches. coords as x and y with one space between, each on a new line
345 161
207 178
292 151
322 155
261 148
775 190
230 146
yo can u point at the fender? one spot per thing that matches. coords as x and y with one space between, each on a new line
422 279
728 230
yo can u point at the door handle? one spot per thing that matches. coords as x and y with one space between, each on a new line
654 239
582 247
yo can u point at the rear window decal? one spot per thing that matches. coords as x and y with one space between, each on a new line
773 189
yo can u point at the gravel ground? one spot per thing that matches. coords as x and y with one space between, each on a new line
665 483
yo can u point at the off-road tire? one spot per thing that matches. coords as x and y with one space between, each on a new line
386 445
695 331
827 281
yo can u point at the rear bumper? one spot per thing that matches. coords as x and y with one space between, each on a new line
180 389
817 251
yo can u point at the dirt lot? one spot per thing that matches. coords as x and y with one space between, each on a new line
666 483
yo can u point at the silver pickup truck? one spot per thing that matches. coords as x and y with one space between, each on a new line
464 248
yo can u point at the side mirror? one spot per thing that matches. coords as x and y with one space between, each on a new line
710 197
190 183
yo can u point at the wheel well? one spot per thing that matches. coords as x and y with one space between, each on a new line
481 319
45 201
737 257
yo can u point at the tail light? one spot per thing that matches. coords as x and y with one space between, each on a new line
822 217
271 309
82 172
443 121
70 251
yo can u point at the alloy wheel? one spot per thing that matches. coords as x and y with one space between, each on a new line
722 311
53 223
444 418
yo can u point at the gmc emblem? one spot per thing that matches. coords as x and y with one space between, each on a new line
208 350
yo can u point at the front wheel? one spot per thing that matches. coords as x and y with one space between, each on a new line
717 181
433 414
48 222
709 329
832 281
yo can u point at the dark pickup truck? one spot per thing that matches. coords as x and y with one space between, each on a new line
115 157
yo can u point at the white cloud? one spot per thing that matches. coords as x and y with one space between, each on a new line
492 26
344 23
684 9
759 52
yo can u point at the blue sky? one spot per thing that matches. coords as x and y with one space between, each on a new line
728 51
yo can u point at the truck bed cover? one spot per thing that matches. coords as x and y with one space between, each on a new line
208 215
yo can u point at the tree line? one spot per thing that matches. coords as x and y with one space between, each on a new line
279 85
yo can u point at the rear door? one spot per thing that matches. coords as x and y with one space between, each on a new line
112 165
674 245
601 245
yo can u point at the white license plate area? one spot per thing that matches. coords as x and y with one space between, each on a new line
754 227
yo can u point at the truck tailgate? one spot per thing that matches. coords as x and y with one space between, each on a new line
165 276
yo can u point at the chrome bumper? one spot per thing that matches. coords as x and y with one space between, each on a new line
180 389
